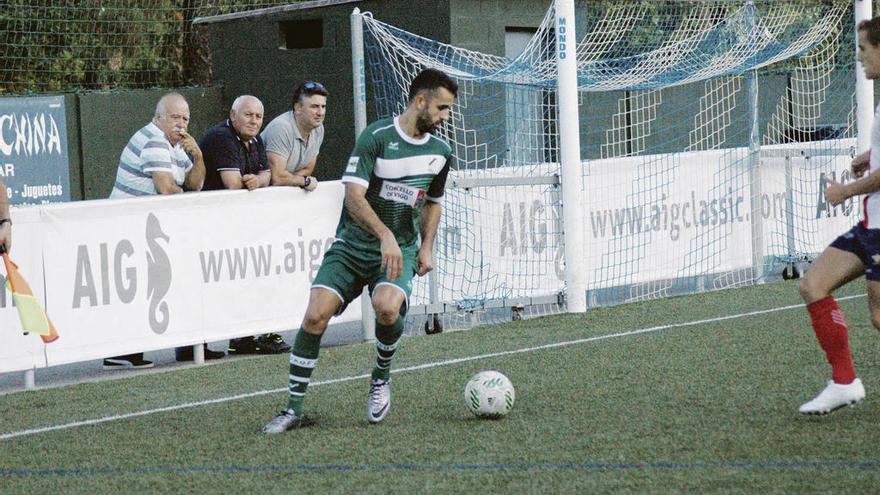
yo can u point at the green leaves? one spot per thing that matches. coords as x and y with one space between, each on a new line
98 45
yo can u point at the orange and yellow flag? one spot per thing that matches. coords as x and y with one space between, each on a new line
33 317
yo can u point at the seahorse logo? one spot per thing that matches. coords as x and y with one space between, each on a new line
158 275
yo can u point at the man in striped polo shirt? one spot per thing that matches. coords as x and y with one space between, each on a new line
157 160
394 185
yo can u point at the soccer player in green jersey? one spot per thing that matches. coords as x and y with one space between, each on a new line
394 184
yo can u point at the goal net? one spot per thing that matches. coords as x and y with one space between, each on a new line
706 129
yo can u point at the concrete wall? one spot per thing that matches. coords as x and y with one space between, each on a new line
247 60
480 25
74 146
108 120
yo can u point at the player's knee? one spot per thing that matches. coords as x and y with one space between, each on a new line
810 292
387 310
875 319
387 306
315 322
386 314
804 289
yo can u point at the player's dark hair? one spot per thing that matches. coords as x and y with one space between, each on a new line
871 27
430 80
306 89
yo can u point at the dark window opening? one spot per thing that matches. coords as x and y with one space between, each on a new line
303 33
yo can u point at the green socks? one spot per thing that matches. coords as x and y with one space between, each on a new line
303 358
387 340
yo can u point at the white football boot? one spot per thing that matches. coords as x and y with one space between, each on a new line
834 397
380 400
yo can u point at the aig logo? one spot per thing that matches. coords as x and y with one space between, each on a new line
109 274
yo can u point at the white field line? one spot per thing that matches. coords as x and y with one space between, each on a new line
436 364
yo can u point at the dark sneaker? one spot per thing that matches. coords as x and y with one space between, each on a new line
286 420
186 353
130 361
272 343
380 400
246 345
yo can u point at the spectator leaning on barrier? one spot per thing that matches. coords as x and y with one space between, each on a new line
235 158
5 220
293 139
235 155
157 160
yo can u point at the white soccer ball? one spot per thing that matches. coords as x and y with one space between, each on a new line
489 394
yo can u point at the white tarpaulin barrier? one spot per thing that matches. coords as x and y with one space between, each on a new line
690 222
121 276
18 351
151 273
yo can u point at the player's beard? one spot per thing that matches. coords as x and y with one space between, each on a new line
424 124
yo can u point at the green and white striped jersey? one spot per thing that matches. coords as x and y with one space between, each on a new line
400 174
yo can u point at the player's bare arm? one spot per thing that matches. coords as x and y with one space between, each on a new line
836 193
860 164
429 219
357 206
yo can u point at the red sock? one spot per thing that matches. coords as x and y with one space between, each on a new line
833 335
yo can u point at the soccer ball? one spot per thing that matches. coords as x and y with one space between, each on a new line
489 394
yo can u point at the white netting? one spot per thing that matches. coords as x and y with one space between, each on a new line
695 118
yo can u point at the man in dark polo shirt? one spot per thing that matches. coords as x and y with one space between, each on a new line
235 158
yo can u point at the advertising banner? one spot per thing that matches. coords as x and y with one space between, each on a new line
648 220
158 272
122 276
498 241
33 150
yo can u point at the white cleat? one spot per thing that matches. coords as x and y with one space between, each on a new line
834 397
286 420
380 400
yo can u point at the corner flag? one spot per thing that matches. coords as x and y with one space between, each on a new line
33 317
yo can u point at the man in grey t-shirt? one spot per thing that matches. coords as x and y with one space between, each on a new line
293 139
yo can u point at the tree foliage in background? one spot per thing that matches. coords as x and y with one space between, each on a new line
660 19
76 45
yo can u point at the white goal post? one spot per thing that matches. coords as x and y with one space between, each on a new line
633 150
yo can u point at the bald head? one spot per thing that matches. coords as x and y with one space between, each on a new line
172 116
166 100
246 116
246 100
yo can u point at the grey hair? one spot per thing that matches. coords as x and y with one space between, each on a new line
160 107
236 105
